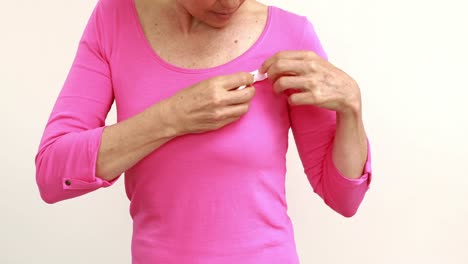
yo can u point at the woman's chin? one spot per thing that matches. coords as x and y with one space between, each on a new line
219 20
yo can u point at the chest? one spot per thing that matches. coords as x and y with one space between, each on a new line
258 139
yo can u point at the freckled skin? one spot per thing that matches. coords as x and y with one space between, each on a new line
197 38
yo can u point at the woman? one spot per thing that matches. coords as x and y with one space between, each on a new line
204 162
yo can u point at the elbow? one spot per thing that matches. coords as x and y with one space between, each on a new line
49 192
346 210
348 213
43 182
47 198
45 189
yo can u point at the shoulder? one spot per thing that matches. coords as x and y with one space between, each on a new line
110 7
287 26
288 17
104 22
111 14
110 10
299 29
278 15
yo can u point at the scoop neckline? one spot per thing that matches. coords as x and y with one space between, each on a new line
147 46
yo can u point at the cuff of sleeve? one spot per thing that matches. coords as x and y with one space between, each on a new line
88 179
338 177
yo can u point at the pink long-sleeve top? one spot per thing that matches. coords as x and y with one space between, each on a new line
211 198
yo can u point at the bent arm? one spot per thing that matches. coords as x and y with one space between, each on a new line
333 148
127 142
350 146
78 153
318 135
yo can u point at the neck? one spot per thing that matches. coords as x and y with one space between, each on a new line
185 21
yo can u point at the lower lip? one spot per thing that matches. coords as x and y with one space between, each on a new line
222 16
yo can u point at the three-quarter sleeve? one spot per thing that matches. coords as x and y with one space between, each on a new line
314 131
68 151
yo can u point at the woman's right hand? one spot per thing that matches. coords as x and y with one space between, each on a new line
212 103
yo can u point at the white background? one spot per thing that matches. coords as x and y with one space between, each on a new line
409 58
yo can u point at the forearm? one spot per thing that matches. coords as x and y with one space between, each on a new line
350 145
127 142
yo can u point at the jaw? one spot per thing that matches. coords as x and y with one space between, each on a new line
190 23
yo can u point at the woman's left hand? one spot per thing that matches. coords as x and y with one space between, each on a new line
321 83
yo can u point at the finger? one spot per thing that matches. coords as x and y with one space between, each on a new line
300 99
292 67
231 120
235 80
240 96
295 82
235 111
290 55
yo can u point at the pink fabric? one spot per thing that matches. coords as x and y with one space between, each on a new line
215 197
